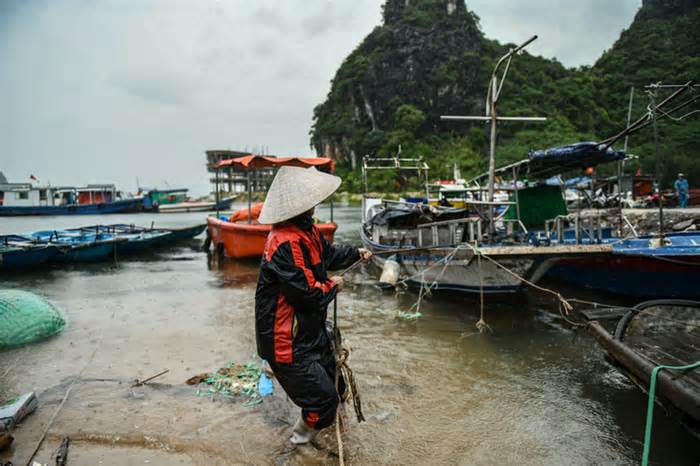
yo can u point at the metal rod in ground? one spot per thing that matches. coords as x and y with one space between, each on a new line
138 382
62 454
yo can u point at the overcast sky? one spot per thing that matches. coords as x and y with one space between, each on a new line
111 90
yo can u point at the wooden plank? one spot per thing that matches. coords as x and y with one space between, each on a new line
607 313
569 250
448 222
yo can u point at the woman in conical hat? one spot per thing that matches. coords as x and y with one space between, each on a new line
293 295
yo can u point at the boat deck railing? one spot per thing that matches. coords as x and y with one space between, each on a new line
586 229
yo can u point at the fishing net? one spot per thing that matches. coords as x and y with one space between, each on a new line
235 380
666 332
26 318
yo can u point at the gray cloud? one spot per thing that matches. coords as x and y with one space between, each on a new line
108 90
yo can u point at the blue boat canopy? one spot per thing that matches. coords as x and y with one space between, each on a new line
574 156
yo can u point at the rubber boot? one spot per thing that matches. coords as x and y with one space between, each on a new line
302 433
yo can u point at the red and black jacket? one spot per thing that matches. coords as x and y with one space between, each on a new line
294 291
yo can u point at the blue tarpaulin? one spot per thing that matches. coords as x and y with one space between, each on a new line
574 156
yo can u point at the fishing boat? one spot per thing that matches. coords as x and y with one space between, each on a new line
77 246
19 253
664 265
19 199
136 239
647 267
652 334
240 235
197 206
440 246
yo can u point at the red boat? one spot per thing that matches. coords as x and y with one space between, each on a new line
241 236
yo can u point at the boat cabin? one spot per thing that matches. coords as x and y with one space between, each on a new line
168 196
28 195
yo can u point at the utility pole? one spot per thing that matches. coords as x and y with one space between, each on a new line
494 91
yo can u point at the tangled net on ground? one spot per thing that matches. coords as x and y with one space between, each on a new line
232 381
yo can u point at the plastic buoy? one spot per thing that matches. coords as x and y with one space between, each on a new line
390 273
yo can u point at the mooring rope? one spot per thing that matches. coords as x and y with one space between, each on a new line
342 354
650 405
481 325
565 307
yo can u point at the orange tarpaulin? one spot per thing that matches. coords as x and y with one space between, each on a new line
259 161
242 214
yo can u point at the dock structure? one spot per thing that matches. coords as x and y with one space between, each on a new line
233 179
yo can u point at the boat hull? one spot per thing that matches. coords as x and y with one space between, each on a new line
182 234
638 276
462 272
117 207
86 253
183 207
25 258
243 240
640 269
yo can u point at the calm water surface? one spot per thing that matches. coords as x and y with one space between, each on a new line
434 391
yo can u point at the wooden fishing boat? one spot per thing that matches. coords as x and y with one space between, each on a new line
655 333
443 255
16 253
647 267
240 235
455 235
135 239
77 246
185 233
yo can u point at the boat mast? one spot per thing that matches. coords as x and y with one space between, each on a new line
621 163
494 91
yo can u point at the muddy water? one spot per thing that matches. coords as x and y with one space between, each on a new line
434 392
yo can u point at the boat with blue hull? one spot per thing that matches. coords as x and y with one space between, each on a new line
647 267
116 207
77 247
21 199
135 239
18 256
86 244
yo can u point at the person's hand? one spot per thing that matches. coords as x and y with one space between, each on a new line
365 254
339 282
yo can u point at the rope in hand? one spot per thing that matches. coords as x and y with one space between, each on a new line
342 355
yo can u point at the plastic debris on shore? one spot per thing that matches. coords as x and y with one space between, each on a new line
248 381
13 411
410 315
26 318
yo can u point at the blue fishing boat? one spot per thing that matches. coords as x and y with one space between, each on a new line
19 199
186 233
132 239
78 246
136 239
18 252
647 267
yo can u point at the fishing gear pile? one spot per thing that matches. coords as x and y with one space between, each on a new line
248 381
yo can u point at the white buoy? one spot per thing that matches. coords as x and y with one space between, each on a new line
390 273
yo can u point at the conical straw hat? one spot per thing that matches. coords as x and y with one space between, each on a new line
294 191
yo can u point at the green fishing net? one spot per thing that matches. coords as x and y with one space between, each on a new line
26 318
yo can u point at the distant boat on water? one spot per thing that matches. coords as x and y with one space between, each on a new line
197 206
17 199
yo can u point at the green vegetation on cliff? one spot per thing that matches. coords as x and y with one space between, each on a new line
430 58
